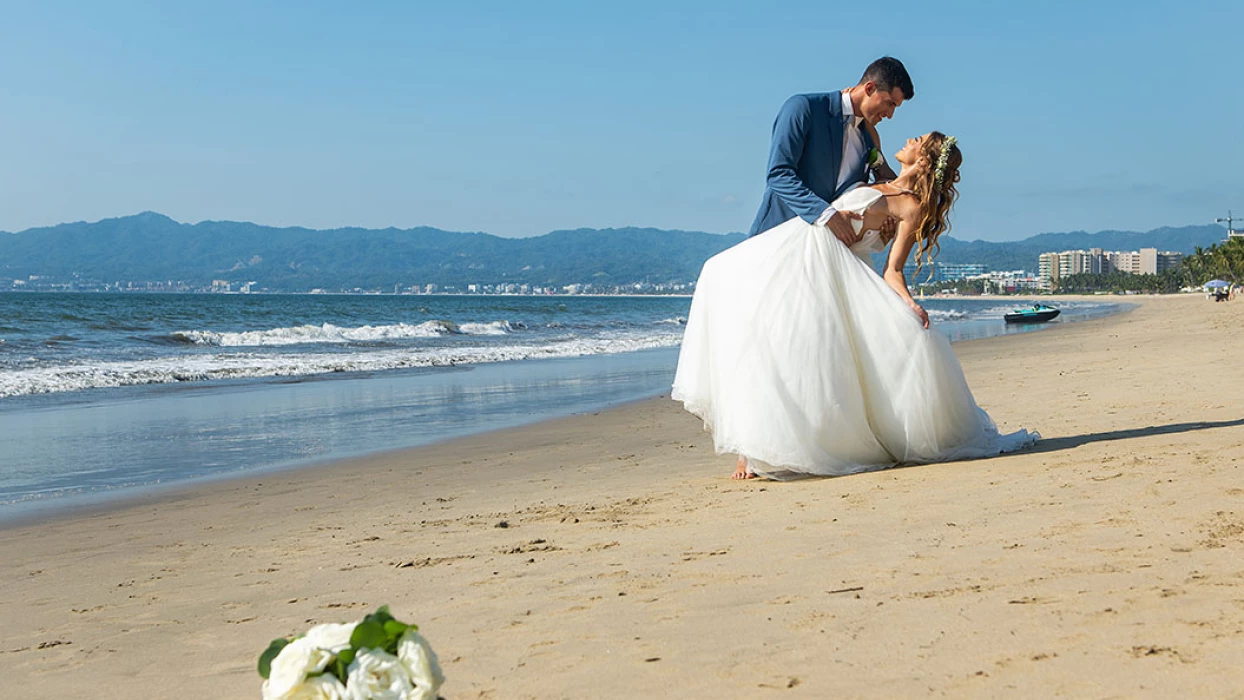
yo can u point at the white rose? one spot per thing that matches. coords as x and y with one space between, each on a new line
376 674
325 687
421 664
331 637
291 666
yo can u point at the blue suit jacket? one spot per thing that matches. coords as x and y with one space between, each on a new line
804 160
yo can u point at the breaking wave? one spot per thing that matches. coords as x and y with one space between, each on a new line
328 333
205 367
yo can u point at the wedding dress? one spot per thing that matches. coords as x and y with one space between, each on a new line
799 356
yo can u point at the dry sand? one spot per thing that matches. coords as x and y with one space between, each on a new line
1106 562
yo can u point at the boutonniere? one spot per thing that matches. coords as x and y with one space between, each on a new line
874 157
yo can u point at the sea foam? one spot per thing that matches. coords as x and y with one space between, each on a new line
243 365
329 333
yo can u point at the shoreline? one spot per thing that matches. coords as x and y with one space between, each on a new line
210 486
1104 561
101 499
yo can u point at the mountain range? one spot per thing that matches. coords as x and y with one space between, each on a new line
151 246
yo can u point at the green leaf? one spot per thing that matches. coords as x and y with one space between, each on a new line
346 657
270 654
395 629
340 669
381 616
368 634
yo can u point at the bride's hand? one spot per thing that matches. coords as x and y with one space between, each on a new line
924 315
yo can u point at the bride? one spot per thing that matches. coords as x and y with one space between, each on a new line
802 360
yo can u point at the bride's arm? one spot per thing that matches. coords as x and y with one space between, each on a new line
903 243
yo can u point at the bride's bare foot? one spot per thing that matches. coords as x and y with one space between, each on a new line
741 470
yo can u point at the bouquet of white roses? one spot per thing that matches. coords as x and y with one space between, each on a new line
377 657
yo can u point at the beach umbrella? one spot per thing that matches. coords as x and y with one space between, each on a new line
1214 284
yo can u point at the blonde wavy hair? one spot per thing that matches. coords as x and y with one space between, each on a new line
936 197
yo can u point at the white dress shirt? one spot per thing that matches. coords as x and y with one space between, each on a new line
852 149
853 141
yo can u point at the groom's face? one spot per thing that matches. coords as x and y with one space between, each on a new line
879 104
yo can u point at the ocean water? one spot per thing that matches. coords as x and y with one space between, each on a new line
62 343
102 394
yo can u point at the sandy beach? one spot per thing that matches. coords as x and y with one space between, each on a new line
608 555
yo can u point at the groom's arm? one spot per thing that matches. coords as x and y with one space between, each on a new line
790 134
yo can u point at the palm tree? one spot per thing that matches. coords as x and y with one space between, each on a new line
1221 260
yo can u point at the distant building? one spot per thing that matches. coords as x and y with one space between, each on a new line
1054 266
1146 261
950 272
1008 282
943 272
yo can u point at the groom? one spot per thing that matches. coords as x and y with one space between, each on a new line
821 146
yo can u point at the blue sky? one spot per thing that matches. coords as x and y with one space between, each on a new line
521 118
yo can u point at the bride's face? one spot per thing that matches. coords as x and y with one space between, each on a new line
910 152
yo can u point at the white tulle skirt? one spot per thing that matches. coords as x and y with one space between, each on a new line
800 357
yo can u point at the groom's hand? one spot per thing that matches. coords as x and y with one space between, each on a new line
888 228
840 224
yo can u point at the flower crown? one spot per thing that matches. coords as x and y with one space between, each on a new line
940 171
